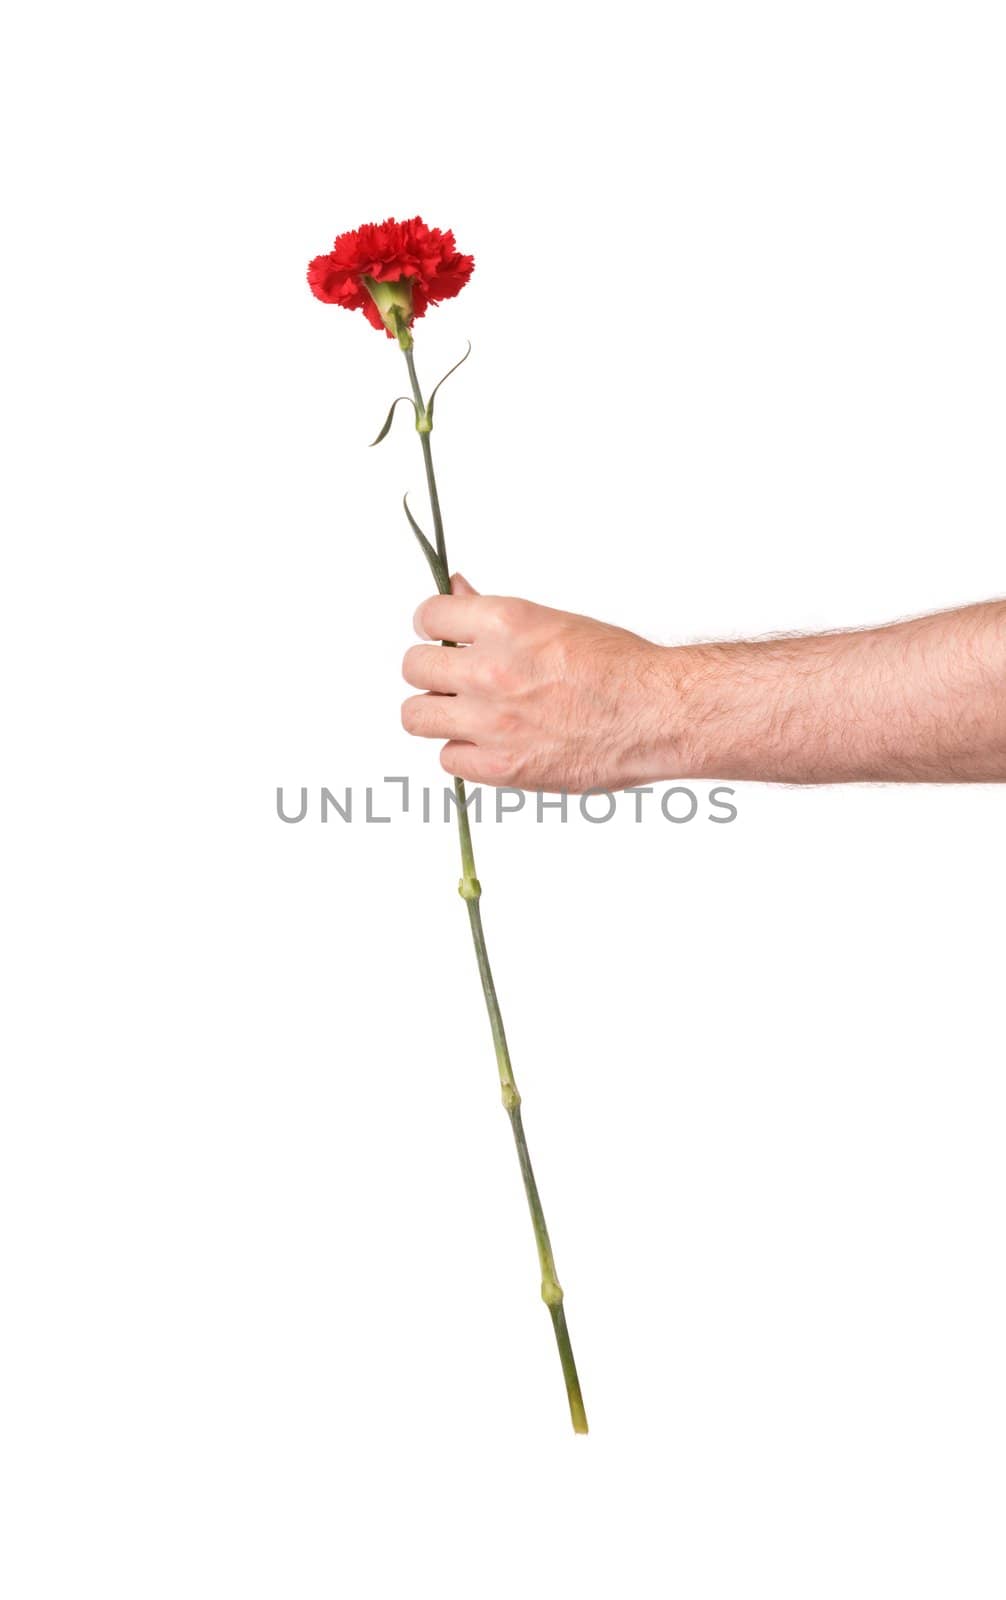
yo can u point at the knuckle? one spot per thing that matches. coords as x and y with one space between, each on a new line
506 611
411 715
500 767
410 662
505 722
560 656
494 673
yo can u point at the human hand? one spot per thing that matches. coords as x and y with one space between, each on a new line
534 698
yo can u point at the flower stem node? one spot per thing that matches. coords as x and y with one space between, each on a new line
469 888
510 1097
424 422
551 1292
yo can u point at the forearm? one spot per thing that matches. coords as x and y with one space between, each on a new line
919 701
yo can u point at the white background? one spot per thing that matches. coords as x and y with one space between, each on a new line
271 1323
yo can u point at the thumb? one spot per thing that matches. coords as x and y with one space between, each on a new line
460 585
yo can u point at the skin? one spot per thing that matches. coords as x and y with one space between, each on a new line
544 699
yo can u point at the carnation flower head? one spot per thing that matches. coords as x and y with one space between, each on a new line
391 271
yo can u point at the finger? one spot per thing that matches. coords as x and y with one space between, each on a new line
461 760
430 666
451 616
460 585
434 716
477 764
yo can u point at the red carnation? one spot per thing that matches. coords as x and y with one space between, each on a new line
391 271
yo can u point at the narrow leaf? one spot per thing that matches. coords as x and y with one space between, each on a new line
441 576
390 419
457 364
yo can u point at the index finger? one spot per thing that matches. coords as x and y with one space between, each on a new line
460 617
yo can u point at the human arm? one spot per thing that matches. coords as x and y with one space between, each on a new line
545 699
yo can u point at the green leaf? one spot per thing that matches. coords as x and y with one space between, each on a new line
441 577
457 364
389 419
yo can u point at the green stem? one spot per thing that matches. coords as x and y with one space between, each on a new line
471 891
424 426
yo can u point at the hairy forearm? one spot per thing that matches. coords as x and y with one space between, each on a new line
918 701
